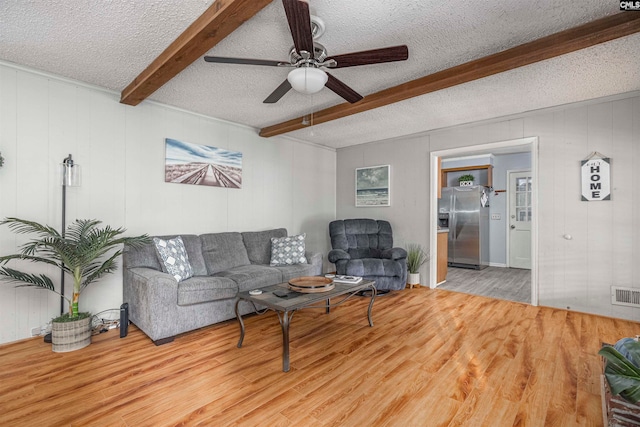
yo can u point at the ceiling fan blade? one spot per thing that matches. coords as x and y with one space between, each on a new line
342 89
278 93
300 24
374 56
245 61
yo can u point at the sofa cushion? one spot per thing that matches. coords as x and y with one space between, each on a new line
147 256
175 260
258 244
361 238
356 253
374 267
252 276
222 251
194 249
288 250
200 289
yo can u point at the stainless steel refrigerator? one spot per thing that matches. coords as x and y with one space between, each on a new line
467 209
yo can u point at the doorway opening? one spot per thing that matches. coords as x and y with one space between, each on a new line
525 205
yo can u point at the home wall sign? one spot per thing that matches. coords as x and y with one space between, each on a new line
596 178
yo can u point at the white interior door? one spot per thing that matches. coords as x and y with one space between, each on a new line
520 219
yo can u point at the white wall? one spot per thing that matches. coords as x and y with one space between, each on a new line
575 274
121 151
409 161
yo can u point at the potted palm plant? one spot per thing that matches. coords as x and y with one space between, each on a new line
416 256
85 251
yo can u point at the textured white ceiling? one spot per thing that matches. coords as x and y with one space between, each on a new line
108 43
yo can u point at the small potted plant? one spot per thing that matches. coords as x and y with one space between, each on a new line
416 256
466 180
84 252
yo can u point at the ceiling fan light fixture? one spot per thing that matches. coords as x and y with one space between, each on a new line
307 79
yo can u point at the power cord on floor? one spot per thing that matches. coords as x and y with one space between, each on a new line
105 320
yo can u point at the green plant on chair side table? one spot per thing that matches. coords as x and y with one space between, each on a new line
84 252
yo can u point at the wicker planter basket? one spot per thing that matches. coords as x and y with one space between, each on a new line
616 412
70 336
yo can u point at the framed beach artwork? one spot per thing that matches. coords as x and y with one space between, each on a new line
372 186
187 163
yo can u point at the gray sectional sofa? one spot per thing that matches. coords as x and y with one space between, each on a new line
223 264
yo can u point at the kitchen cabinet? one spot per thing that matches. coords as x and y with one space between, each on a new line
441 266
483 176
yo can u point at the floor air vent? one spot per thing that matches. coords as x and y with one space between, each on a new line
625 296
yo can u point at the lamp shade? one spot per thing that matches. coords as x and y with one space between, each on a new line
71 173
307 79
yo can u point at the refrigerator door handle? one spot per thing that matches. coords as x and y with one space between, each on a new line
452 223
454 209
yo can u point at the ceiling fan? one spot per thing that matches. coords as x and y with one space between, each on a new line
309 58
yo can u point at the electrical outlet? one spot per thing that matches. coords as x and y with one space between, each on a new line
495 216
35 331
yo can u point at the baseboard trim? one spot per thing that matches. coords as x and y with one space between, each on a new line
497 264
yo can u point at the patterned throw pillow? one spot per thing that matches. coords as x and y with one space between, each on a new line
174 257
288 250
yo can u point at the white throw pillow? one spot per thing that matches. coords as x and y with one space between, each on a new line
174 258
288 250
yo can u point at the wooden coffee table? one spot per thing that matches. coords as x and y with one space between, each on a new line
285 307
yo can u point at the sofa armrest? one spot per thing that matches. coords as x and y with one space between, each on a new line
313 258
337 255
394 253
153 300
150 275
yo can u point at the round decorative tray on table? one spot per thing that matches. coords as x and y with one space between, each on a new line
311 284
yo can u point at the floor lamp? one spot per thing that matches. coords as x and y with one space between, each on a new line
70 178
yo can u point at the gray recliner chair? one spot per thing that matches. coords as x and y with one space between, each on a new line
364 247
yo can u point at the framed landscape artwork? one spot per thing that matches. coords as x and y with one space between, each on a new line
372 186
202 165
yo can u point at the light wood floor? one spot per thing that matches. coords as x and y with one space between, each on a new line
512 284
433 358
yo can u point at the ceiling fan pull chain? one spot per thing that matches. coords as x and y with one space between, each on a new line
311 133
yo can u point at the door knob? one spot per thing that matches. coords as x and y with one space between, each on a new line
513 226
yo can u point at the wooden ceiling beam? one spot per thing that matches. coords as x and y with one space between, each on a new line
577 38
217 22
